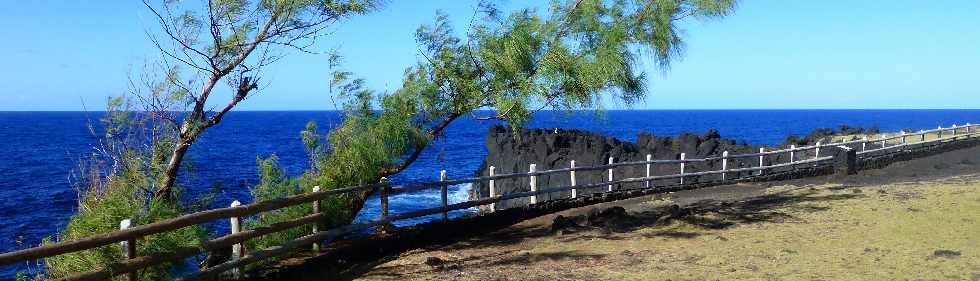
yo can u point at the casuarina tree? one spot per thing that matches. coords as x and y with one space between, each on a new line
227 43
575 55
209 48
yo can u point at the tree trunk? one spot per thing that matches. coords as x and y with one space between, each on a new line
173 169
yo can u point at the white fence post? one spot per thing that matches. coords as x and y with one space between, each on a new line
316 210
884 143
683 156
445 195
816 153
939 133
572 175
724 164
792 153
493 189
761 159
649 158
128 247
533 170
610 174
864 143
236 250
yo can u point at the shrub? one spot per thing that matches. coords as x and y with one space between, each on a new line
118 183
100 210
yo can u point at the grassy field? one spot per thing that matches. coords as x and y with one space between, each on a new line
917 231
928 230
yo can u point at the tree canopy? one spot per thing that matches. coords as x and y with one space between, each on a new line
227 41
567 57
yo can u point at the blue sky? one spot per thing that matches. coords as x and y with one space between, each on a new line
61 55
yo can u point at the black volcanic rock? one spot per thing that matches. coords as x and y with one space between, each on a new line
555 149
823 134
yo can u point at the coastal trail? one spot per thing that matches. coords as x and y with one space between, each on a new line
911 220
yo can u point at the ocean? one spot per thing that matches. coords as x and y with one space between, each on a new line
41 149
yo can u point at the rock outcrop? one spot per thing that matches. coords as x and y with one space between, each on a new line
556 148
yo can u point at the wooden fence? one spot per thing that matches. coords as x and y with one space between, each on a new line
128 234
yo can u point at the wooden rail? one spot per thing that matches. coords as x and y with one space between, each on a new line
129 234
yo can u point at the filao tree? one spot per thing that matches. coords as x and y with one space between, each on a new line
569 57
208 48
228 42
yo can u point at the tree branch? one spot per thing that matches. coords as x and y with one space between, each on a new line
433 132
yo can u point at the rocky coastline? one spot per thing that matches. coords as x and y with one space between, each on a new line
556 148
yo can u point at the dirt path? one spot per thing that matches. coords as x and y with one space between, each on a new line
912 220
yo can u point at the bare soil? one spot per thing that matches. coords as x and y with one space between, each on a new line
909 221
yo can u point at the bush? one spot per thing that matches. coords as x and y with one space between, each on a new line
274 184
100 210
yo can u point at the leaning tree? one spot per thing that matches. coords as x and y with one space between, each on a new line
209 48
223 45
570 57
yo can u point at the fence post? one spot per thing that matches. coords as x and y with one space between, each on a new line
533 170
939 133
610 174
724 165
816 153
968 128
904 136
445 195
845 161
493 189
761 160
792 153
128 247
954 129
884 143
922 135
649 158
385 192
864 143
683 156
572 175
316 210
236 250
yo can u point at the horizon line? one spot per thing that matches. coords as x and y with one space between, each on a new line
575 110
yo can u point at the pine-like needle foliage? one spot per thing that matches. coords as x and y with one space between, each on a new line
565 58
118 182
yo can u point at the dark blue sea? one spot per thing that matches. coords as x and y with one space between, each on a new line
41 149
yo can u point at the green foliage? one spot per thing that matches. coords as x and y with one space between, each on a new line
124 199
276 184
142 149
117 184
353 153
242 25
567 59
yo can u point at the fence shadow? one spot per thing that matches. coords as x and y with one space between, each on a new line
501 258
703 215
605 224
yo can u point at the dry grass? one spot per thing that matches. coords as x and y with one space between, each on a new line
905 231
